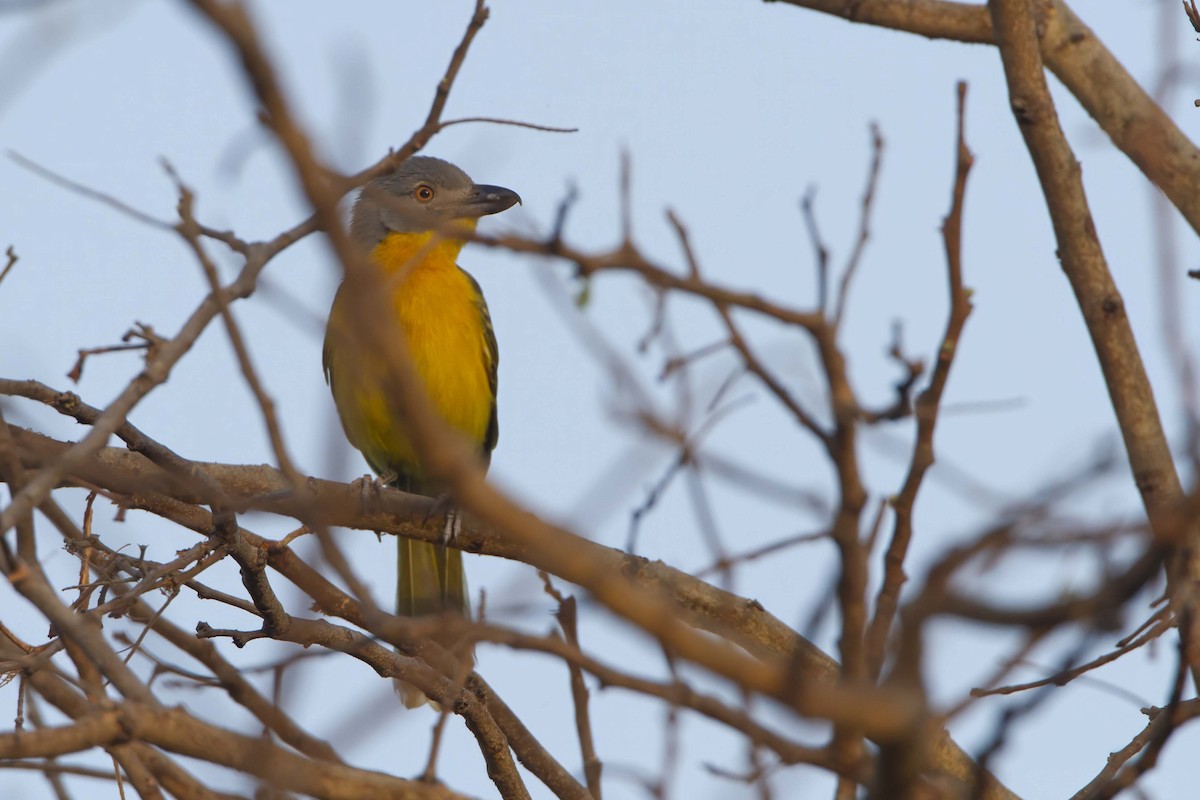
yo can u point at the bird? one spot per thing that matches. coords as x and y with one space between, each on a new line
399 221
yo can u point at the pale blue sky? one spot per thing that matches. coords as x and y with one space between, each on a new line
730 111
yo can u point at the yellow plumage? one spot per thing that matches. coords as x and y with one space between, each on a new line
442 316
439 311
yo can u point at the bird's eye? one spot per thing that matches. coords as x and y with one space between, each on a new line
424 193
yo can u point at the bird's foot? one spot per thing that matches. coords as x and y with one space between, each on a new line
370 487
444 504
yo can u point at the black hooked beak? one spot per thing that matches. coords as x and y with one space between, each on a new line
489 200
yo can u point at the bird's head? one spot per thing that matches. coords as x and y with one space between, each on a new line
423 194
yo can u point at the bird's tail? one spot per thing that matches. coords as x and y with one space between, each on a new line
429 581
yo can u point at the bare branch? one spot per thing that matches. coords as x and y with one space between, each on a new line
1075 55
928 405
1100 303
864 227
174 730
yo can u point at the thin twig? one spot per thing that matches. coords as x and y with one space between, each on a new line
808 209
189 230
513 122
928 403
12 260
864 227
592 766
88 192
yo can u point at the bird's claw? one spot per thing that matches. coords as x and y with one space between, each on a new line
452 528
444 504
370 487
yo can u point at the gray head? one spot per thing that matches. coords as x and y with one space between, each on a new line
421 194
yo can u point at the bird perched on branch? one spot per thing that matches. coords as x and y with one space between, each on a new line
400 221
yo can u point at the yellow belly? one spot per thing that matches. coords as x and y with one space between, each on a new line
437 312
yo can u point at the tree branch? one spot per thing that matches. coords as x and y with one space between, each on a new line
1101 84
